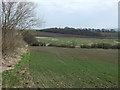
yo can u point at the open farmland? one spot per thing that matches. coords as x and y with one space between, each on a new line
53 67
59 44
64 67
77 41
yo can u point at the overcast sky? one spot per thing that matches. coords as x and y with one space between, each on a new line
78 13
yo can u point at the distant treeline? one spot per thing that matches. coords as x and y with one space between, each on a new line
79 31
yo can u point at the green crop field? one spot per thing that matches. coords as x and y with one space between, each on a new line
61 67
77 41
52 67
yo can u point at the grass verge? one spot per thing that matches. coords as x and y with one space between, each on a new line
12 78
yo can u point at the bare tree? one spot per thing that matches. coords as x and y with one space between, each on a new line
16 15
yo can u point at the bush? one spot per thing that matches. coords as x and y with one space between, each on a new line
30 39
61 45
53 45
102 45
66 46
85 46
11 40
106 46
117 46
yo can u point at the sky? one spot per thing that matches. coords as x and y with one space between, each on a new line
78 13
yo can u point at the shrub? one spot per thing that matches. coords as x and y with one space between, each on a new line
106 46
66 46
117 46
61 45
30 39
101 45
51 44
85 46
11 40
95 46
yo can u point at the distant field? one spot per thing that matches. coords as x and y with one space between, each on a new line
53 67
49 34
77 41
